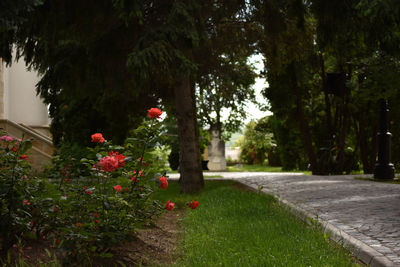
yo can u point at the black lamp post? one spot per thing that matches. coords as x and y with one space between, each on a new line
384 170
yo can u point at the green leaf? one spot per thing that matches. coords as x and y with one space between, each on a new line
106 255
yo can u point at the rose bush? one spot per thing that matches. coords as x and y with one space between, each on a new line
15 190
107 195
91 199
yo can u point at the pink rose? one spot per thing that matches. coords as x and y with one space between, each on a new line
119 157
109 164
7 138
169 205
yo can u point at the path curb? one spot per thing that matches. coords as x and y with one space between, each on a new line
361 251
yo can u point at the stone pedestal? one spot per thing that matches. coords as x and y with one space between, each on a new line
216 151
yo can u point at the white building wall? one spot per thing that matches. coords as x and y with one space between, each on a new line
232 152
21 104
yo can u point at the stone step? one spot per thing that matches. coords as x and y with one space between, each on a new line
42 146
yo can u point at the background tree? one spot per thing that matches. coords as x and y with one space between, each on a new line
228 88
225 76
257 143
324 83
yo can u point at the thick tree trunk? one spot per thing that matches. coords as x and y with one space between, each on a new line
303 123
191 179
342 138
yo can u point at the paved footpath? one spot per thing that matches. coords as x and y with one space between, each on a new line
362 214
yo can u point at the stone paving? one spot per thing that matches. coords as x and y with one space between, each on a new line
366 210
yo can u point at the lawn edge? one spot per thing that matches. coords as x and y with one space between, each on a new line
360 250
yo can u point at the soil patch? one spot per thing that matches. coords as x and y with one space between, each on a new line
153 245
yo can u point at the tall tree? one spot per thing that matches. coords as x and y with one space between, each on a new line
229 88
323 60
118 58
287 46
225 77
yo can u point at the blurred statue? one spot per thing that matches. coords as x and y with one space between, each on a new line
216 150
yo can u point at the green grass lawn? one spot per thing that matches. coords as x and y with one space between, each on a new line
233 227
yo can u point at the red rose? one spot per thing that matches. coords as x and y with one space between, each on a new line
126 189
119 157
154 113
163 182
169 205
23 157
55 209
88 192
97 221
109 164
14 149
133 178
95 215
117 188
26 202
194 204
97 138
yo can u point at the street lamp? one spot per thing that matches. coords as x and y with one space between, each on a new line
384 170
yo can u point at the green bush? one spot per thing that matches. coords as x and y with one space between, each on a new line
257 142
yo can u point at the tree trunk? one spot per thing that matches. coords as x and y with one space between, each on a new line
327 101
362 140
303 123
342 137
191 178
368 149
374 146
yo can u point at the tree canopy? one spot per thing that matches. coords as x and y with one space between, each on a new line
104 63
327 64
